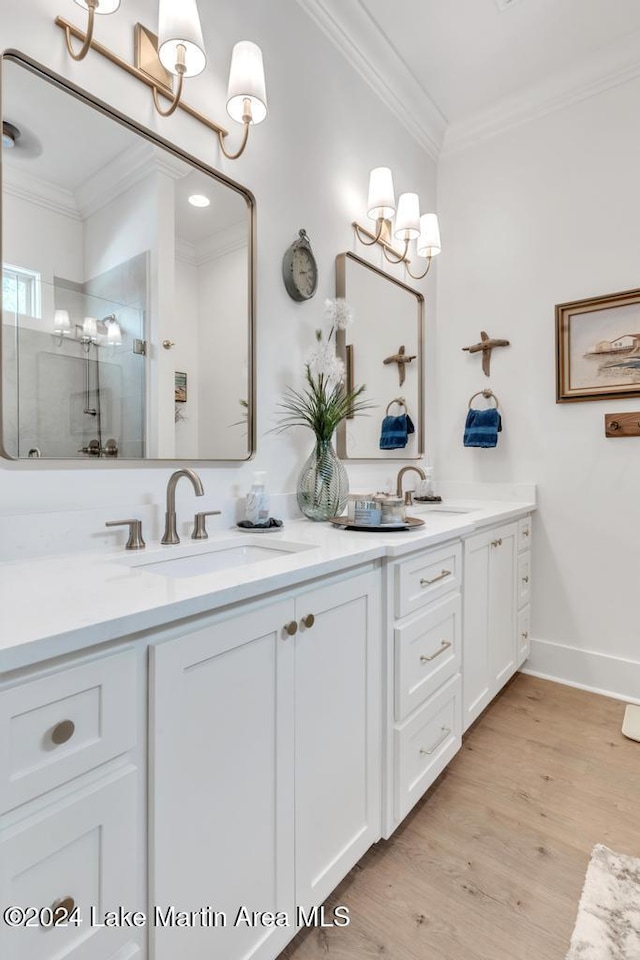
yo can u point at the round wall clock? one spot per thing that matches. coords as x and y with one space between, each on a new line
299 269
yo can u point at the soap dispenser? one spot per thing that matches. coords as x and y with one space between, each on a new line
257 507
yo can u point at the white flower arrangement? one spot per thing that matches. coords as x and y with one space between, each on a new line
325 401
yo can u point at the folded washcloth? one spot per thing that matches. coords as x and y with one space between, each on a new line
395 432
482 428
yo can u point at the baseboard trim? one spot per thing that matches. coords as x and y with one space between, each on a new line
585 669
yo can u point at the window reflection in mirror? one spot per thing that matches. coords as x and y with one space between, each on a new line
113 245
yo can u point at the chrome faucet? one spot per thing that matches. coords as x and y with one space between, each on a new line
170 531
408 496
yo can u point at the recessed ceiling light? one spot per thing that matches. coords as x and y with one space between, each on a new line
198 200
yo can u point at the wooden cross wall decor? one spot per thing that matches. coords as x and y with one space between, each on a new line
402 359
486 345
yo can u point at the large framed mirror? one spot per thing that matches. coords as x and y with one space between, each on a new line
382 349
127 286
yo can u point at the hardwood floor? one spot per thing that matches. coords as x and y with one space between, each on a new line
490 864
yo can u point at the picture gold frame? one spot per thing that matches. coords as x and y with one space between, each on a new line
598 348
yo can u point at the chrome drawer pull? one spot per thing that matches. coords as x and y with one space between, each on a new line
62 732
445 733
525 579
497 543
443 646
441 576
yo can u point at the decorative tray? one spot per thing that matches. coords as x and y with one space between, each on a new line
408 524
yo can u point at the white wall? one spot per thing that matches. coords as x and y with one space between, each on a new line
44 240
543 214
223 340
185 354
307 165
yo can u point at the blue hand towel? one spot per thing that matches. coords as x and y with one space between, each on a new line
482 428
395 432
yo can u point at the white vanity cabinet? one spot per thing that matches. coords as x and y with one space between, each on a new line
496 570
423 685
264 763
70 810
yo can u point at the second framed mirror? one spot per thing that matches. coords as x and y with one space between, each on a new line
383 350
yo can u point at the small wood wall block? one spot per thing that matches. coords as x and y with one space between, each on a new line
622 424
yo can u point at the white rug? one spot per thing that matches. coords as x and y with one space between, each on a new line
608 924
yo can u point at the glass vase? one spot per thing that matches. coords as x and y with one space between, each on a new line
323 485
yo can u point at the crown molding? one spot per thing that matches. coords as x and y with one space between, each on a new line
119 175
357 36
219 244
610 67
24 186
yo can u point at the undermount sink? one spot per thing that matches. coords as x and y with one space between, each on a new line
215 557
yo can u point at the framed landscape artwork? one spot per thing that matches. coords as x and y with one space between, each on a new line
598 348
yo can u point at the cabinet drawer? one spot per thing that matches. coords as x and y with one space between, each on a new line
524 635
82 849
524 578
524 533
425 744
427 653
59 726
427 576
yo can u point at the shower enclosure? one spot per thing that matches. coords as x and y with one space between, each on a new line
77 388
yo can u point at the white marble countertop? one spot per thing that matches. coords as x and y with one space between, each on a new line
56 605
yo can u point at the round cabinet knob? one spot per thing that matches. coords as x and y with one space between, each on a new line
308 621
65 907
291 628
525 579
62 732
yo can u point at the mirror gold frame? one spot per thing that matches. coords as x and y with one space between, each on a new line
71 89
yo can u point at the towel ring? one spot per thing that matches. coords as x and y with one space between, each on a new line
401 403
487 394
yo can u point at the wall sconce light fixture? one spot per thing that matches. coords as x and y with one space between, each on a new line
180 47
407 227
93 6
178 51
61 325
89 333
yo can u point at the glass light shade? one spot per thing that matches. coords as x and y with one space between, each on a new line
381 203
428 243
104 6
407 226
90 327
179 23
246 82
114 333
61 321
